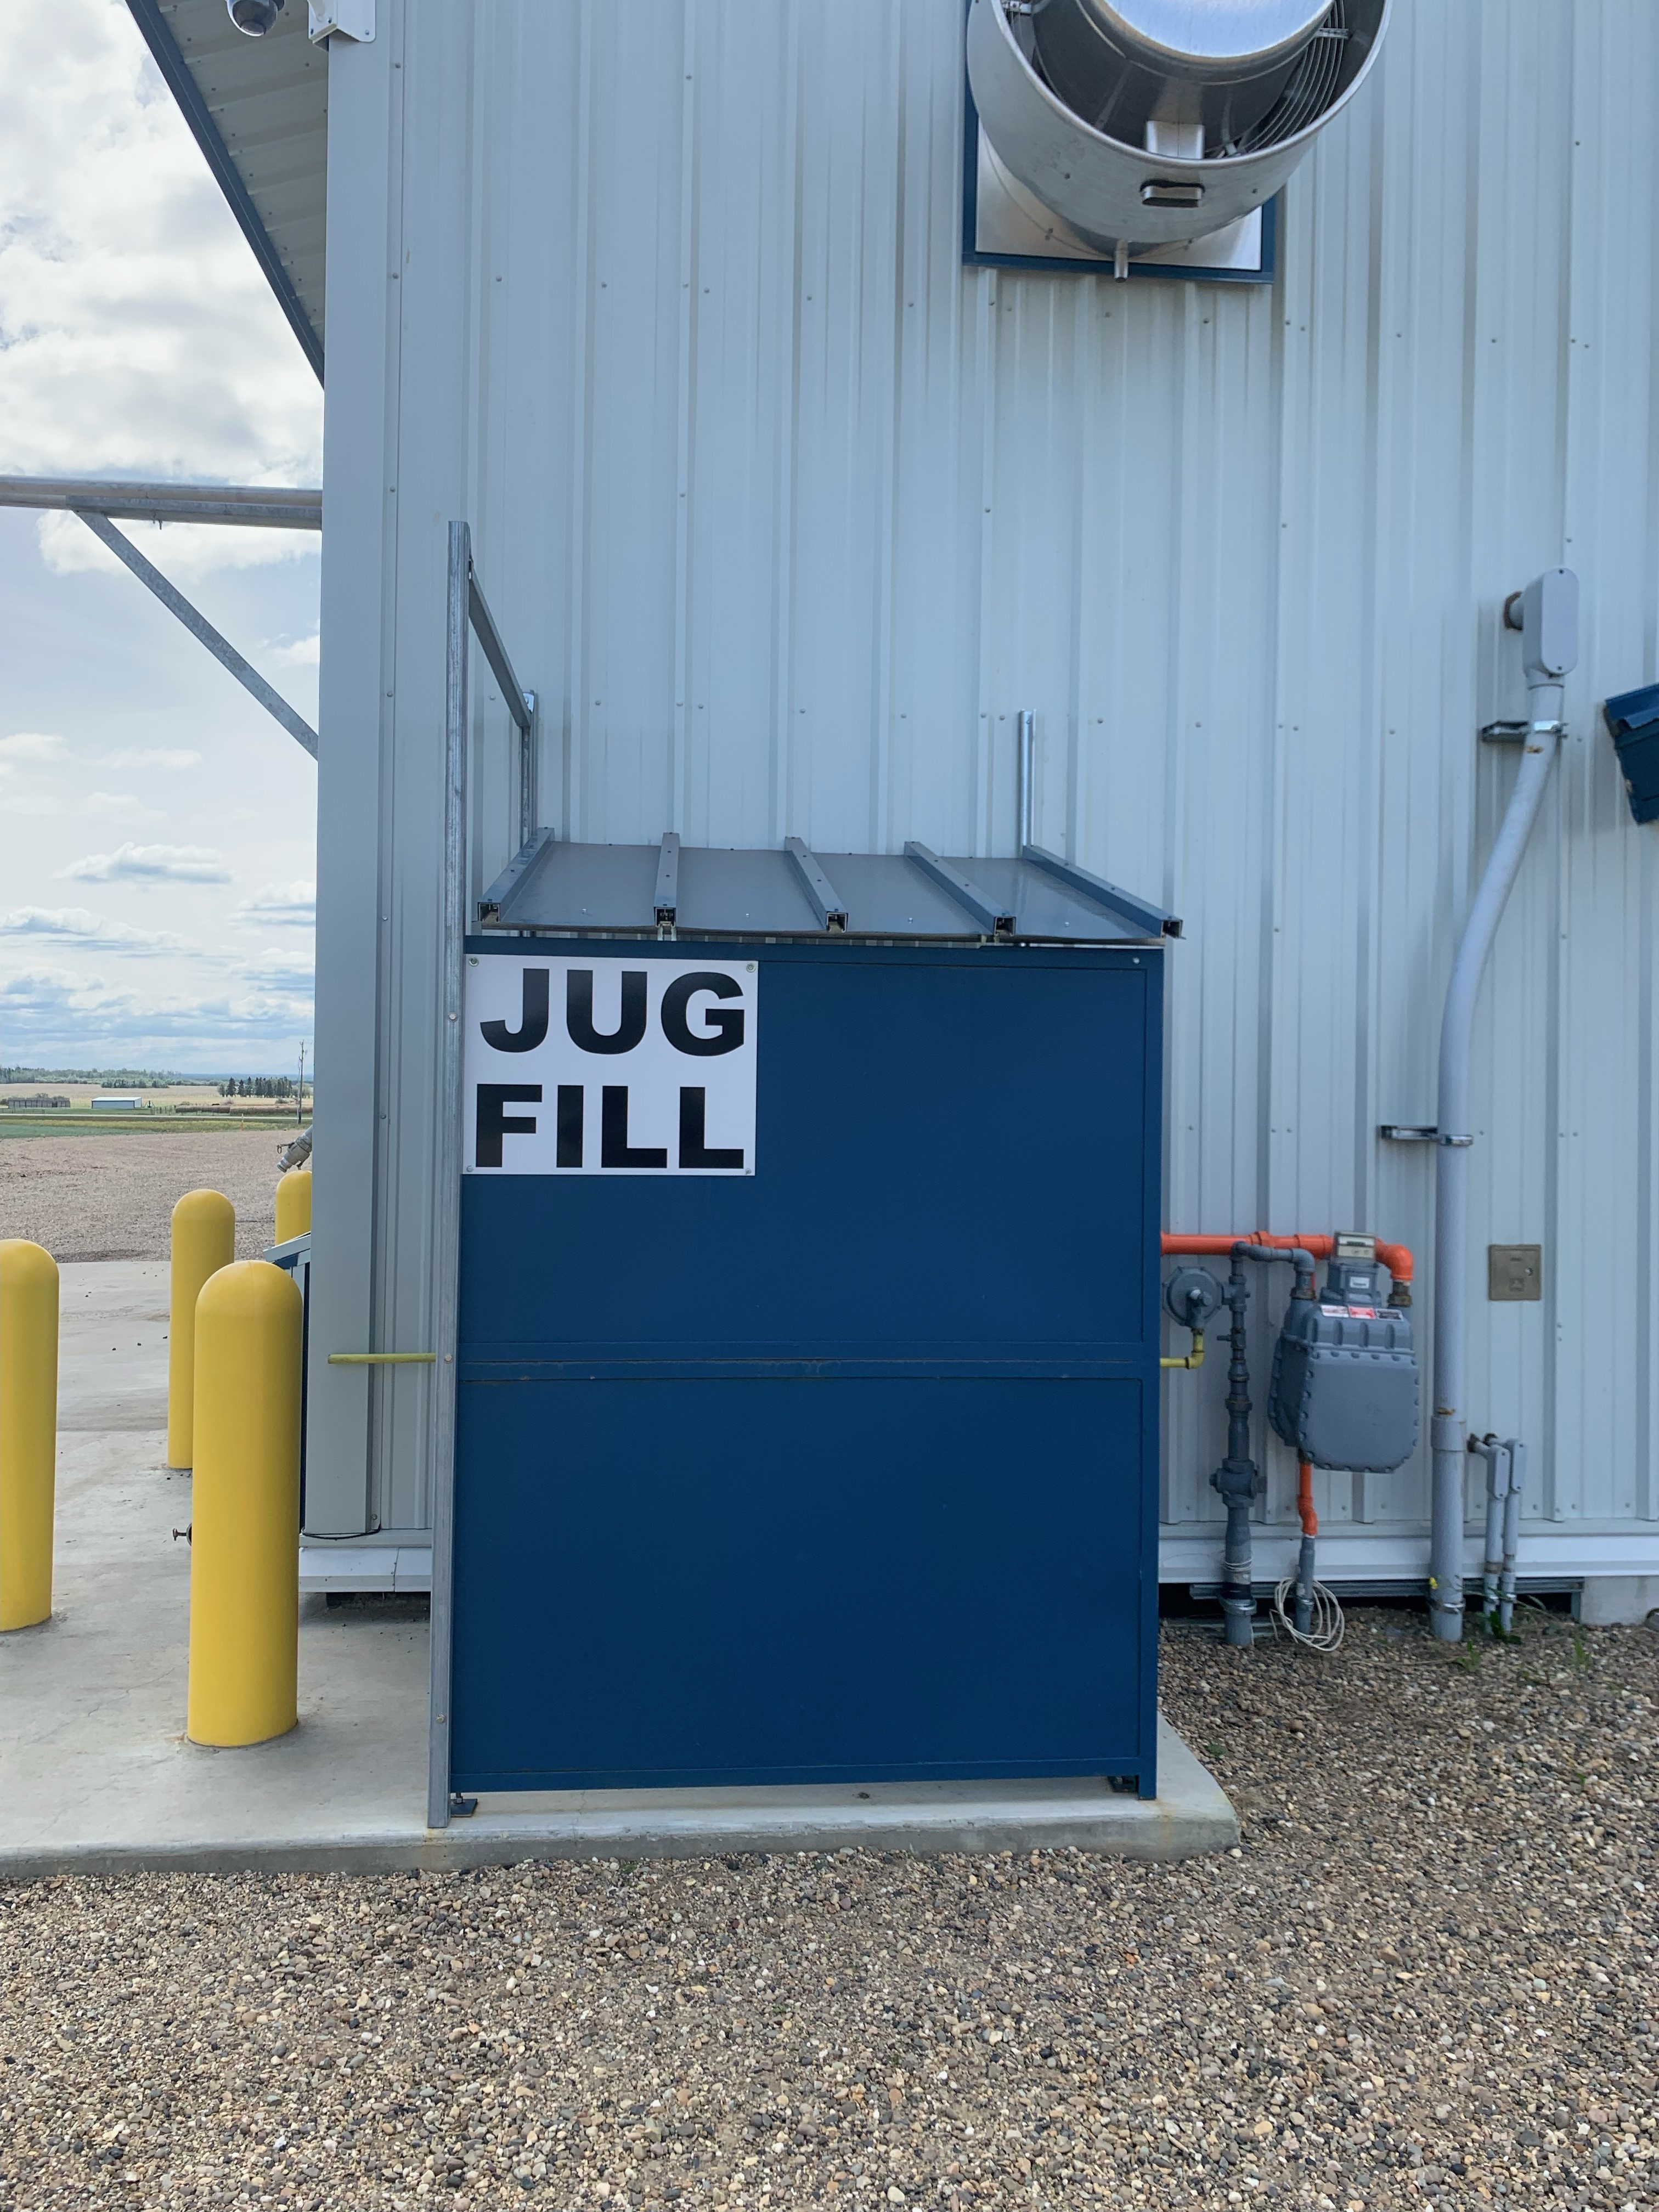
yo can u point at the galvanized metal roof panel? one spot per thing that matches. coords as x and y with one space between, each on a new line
258 109
726 892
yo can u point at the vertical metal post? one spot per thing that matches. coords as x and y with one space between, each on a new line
446 1205
1025 778
530 746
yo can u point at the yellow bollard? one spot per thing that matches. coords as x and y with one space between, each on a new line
28 1430
203 1241
294 1204
245 1508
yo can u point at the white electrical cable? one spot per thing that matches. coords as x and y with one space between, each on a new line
1329 1623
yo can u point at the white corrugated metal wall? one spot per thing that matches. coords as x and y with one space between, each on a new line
786 512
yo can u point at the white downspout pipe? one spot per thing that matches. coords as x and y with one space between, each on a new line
1549 628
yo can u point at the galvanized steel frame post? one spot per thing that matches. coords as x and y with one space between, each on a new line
254 506
529 750
360 862
446 1198
466 610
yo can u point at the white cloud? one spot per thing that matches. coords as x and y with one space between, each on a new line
279 969
138 337
167 757
176 864
91 931
183 551
49 1010
32 745
118 802
302 653
289 904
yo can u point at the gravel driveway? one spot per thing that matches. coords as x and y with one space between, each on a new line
112 1198
1428 1977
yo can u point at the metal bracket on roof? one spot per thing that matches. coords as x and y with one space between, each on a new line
963 888
821 895
1099 892
667 896
490 905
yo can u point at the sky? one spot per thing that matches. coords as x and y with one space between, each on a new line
157 828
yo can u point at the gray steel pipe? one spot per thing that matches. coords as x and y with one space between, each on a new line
1235 1479
1550 650
257 507
1448 1430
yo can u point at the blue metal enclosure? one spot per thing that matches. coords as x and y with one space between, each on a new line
837 1460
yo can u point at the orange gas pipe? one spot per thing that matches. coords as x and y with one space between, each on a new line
1394 1257
1304 1504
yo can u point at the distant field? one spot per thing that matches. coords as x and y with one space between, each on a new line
81 1122
107 1193
170 1107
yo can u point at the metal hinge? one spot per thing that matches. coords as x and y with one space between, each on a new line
1417 1133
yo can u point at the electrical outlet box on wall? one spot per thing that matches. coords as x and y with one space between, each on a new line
345 19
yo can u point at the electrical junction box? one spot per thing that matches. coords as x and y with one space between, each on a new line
806 1424
1344 1386
1515 1273
1632 719
345 19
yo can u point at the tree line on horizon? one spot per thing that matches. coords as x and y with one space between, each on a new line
150 1078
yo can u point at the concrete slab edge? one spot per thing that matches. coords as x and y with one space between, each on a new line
1190 1816
1148 1832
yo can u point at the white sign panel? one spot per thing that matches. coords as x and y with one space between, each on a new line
580 1066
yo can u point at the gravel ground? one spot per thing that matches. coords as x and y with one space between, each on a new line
112 1198
1428 1977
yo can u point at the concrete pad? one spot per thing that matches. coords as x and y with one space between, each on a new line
344 1564
1617 1600
1189 1816
94 1768
96 1776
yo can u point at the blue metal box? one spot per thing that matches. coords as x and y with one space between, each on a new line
838 1462
1633 720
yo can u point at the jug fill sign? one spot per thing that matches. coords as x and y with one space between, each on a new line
590 1066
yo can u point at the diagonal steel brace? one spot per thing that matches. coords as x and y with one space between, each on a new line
199 627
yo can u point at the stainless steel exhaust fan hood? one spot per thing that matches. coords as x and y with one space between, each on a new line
1141 124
